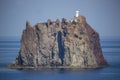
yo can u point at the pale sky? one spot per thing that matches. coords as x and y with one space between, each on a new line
102 15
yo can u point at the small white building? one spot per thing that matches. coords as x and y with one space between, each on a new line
76 17
77 13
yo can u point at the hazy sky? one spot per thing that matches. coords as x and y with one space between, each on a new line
102 15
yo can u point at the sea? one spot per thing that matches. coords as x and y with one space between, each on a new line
9 48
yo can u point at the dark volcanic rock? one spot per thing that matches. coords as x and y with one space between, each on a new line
61 44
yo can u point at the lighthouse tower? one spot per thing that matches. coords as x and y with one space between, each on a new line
77 13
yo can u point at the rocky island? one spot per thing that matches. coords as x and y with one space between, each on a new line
60 44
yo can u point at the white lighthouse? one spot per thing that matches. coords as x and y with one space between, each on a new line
77 13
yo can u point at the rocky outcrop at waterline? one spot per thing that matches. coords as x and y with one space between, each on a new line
72 44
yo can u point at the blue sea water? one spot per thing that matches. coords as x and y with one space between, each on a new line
9 49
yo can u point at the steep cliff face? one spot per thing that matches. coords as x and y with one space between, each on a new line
60 44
